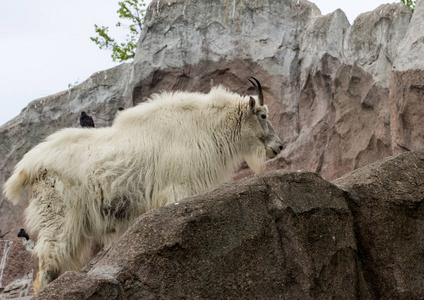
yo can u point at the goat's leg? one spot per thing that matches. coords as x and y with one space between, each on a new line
61 241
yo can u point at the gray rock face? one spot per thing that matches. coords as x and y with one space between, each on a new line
220 31
407 88
410 51
372 42
326 82
341 96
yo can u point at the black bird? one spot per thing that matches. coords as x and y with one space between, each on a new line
121 109
23 234
86 120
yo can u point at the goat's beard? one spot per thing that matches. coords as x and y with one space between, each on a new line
255 159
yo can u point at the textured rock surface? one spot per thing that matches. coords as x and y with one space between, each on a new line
387 203
287 235
326 82
78 286
16 268
341 96
407 88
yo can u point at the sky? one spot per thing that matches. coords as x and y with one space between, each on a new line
45 44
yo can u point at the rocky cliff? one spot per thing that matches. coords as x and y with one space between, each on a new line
341 96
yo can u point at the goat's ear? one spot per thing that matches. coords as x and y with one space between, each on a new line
252 104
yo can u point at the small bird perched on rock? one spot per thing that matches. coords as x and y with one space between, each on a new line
86 120
22 233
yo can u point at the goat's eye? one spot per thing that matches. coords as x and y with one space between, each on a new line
263 116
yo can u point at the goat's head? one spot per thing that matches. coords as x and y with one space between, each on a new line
260 129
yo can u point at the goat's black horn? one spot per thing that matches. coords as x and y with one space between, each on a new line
259 89
253 83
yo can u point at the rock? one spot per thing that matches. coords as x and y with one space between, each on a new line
409 52
326 82
16 267
277 235
372 41
340 118
387 202
19 288
78 286
407 88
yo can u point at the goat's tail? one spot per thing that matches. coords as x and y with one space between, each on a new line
16 184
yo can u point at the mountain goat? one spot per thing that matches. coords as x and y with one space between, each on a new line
88 184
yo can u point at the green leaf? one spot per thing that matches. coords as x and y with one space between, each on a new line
131 10
410 4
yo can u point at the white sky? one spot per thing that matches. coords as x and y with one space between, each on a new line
45 44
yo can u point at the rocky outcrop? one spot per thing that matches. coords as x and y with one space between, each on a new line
326 82
387 203
278 235
407 88
341 96
250 239
16 268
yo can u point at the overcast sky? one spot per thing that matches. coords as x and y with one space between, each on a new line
45 44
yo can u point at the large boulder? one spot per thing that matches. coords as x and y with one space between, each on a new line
387 202
277 235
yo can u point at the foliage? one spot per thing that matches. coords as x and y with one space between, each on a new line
132 10
72 85
410 4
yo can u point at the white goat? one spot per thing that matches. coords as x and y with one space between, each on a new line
89 184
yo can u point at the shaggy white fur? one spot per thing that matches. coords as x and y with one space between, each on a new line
88 184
